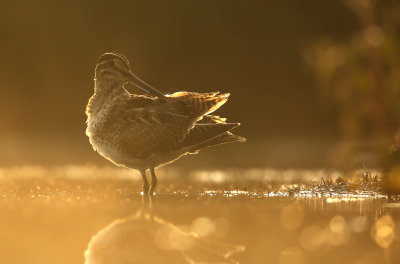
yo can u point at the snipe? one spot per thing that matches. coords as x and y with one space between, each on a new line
147 131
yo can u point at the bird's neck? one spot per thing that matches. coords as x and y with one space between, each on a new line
105 88
104 83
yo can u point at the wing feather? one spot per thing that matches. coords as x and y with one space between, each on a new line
204 132
179 119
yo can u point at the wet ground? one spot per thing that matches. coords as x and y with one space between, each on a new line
93 215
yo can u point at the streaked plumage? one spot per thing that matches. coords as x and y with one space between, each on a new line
147 131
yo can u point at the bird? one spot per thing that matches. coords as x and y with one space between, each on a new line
143 238
149 130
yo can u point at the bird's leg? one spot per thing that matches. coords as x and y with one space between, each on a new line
145 182
153 182
147 206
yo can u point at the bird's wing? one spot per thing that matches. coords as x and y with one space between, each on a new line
163 124
199 104
202 132
195 106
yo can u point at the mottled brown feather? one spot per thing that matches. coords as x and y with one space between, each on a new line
128 129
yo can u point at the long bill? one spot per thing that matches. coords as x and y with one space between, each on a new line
143 85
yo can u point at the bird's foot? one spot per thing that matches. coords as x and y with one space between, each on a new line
152 187
151 191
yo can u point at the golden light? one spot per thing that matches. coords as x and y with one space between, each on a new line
311 237
291 255
337 224
221 227
292 217
169 237
203 226
358 224
396 231
382 231
339 231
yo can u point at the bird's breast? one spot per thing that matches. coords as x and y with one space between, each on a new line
109 143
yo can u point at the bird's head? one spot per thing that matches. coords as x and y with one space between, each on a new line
113 65
116 66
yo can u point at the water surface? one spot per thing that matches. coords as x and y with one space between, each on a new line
74 214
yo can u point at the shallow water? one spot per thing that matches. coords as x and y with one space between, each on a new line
74 214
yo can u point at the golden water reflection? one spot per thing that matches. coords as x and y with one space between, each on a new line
146 238
54 215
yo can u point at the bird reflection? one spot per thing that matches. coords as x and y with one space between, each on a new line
146 238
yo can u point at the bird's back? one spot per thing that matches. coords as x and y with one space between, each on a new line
136 127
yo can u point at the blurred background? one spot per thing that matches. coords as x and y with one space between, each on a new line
307 78
315 84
